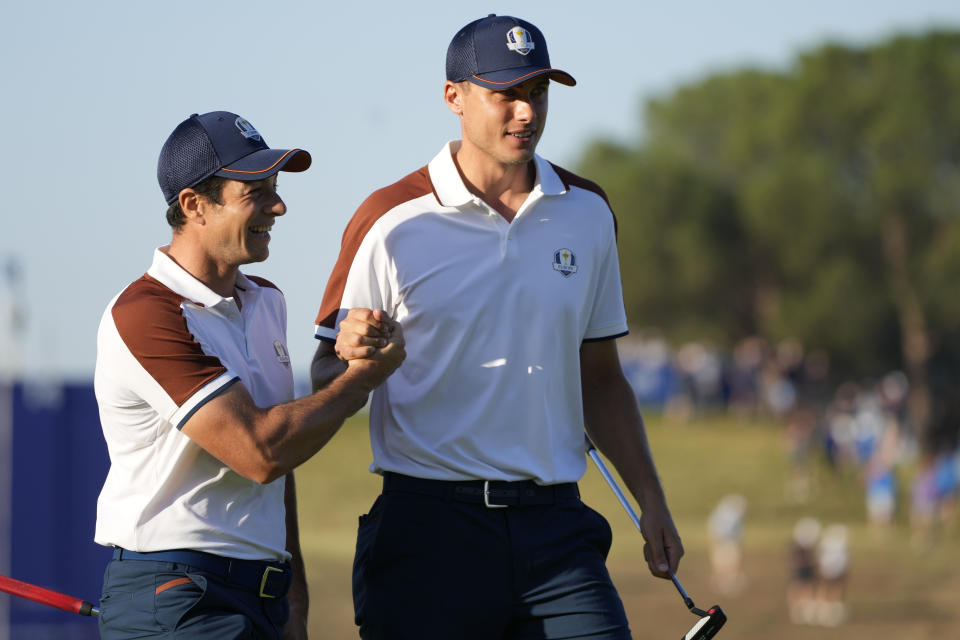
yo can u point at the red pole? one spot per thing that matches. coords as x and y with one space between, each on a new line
47 597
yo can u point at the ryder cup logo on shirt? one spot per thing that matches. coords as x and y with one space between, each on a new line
281 352
565 262
518 39
247 129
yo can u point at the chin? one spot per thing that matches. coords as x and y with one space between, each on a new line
260 256
519 158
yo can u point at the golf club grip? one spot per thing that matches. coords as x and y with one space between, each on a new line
46 596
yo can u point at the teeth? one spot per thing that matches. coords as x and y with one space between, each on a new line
263 228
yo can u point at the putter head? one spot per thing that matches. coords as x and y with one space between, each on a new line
708 625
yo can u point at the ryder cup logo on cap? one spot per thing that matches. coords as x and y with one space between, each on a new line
221 144
247 129
477 54
518 39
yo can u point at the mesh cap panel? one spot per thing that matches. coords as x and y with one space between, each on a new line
461 59
186 159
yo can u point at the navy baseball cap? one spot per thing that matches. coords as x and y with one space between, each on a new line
498 52
222 144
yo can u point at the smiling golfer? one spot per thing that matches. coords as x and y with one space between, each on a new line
195 391
503 270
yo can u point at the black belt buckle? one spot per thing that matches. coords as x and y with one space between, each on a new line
265 579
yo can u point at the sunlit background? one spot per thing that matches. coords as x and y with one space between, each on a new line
786 183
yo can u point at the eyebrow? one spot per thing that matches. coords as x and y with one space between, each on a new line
262 182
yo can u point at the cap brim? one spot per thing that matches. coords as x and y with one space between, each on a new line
266 162
498 80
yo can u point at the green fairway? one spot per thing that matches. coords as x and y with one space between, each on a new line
894 591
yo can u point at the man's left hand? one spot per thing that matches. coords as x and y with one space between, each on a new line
663 548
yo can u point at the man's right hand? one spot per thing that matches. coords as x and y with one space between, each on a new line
362 332
371 343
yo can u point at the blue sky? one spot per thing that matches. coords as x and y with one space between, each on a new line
91 90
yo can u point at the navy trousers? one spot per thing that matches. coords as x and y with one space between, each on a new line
144 599
434 567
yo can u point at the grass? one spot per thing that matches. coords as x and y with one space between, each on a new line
894 591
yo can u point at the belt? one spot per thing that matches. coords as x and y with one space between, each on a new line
493 494
266 579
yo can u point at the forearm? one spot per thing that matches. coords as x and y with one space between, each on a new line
292 432
614 423
616 427
263 444
326 366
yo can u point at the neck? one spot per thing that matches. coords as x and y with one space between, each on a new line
503 187
220 278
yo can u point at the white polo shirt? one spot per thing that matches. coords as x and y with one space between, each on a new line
166 345
493 313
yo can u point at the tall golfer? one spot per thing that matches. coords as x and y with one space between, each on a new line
196 395
503 270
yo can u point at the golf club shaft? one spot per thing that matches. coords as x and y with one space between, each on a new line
605 472
47 597
602 467
687 600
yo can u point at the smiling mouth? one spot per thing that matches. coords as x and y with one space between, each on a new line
260 229
526 134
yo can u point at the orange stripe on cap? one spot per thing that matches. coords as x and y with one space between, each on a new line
172 583
532 73
263 170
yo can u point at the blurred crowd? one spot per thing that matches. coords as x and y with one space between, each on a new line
855 426
820 558
754 379
851 428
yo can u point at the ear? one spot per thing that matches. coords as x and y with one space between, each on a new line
191 203
453 97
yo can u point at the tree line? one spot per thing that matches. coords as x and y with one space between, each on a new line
819 203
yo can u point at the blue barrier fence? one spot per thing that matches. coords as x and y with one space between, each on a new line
58 460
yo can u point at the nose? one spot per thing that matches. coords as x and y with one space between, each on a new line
277 207
523 111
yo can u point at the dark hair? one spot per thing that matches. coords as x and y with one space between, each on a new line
211 189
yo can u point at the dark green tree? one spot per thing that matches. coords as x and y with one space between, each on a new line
820 203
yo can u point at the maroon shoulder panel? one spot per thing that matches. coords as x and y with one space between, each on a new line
263 282
571 179
150 322
413 186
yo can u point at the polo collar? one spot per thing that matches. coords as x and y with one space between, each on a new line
451 191
171 275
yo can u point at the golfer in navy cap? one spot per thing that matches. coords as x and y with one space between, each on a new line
195 390
502 269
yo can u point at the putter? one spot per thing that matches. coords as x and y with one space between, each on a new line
711 620
47 597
